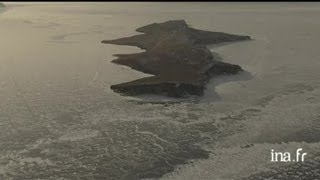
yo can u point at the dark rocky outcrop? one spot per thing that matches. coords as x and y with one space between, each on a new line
177 56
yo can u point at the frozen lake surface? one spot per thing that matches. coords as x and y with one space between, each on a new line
59 119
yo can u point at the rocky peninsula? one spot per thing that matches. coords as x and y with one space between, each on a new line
177 56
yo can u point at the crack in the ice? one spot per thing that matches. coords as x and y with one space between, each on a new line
151 134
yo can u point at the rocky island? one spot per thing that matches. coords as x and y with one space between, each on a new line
177 56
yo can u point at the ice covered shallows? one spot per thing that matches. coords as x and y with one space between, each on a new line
176 55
